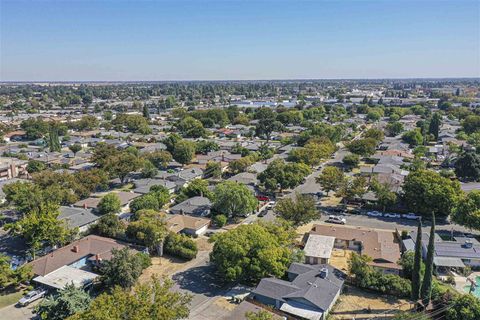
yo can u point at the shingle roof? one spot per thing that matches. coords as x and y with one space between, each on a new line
90 245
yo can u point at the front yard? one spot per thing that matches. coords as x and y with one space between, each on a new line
360 304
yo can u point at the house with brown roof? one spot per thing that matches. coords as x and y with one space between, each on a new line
382 246
194 226
80 254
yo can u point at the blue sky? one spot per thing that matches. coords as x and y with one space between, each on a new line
206 40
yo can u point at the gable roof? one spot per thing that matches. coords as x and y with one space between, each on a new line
308 285
378 244
178 223
87 246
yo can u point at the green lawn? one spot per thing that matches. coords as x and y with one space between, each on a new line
10 297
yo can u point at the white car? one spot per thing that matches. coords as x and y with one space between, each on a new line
392 215
410 216
270 204
335 219
32 296
374 214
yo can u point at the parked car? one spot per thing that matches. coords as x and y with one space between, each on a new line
374 214
263 198
335 219
411 216
392 215
270 205
32 296
262 213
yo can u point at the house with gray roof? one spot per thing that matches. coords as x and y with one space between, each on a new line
80 218
196 206
310 292
457 253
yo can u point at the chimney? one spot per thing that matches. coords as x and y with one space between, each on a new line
75 249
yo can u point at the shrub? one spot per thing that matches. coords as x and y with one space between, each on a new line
180 246
220 220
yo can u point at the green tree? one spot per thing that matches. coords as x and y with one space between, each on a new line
385 197
353 187
471 124
41 227
465 307
281 175
146 111
394 128
152 300
251 252
160 159
124 268
313 152
467 212
417 266
435 124
184 151
213 170
109 226
198 187
75 148
331 178
374 133
109 204
35 166
154 200
191 127
149 228
206 146
233 199
10 277
299 211
219 220
363 147
267 123
122 164
427 192
171 141
53 139
64 303
181 246
351 160
413 137
149 170
426 290
467 166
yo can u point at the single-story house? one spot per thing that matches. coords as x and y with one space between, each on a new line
65 265
318 249
80 218
310 292
193 226
197 206
382 246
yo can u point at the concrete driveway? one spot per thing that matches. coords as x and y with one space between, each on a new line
13 312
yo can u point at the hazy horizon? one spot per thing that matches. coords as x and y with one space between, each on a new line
148 41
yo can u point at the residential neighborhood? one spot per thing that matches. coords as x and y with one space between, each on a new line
86 192
245 160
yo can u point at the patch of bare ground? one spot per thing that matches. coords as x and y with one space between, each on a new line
360 304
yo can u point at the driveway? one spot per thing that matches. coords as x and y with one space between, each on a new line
13 312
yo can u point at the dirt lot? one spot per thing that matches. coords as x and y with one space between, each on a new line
168 265
354 303
339 259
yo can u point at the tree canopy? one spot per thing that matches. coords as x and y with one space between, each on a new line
427 192
252 252
233 199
